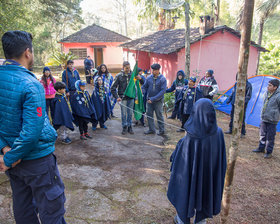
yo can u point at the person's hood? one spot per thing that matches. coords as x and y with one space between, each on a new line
78 83
181 72
202 122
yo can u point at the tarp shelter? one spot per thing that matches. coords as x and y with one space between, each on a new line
253 113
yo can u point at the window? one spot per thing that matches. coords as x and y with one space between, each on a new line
80 53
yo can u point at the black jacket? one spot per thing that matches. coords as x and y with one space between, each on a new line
119 85
248 94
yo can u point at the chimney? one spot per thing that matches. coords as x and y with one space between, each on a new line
206 24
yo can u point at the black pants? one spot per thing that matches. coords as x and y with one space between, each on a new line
184 117
37 186
267 136
95 123
243 130
175 111
49 106
83 125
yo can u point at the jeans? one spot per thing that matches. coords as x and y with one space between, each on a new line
175 110
243 130
156 107
267 136
126 112
37 186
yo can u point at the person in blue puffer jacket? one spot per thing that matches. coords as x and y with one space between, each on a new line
177 85
27 139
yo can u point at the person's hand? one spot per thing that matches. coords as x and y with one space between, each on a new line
68 94
3 167
119 99
6 149
149 101
138 77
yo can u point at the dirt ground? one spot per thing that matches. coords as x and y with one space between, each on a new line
123 179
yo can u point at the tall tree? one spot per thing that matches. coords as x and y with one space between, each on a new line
187 40
246 27
265 10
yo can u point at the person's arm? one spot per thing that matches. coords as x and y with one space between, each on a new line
145 87
78 75
215 88
3 144
161 92
198 95
114 87
231 95
142 80
33 115
172 88
65 80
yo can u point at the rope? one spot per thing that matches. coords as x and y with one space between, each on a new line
171 125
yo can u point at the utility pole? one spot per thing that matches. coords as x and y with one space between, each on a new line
187 39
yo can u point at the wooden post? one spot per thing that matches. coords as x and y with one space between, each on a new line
246 27
187 39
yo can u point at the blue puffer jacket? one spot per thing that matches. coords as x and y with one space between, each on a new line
24 125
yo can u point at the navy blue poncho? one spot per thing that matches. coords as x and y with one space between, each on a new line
100 100
62 113
198 166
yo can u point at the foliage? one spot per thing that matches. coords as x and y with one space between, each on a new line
60 58
269 62
47 20
169 101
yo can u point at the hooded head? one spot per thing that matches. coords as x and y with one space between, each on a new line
78 84
209 73
46 69
202 122
182 73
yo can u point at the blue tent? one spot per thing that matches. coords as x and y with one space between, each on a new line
253 113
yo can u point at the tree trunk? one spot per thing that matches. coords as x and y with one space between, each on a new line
246 27
218 12
162 20
125 16
260 42
187 39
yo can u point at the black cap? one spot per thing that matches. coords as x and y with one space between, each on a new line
155 66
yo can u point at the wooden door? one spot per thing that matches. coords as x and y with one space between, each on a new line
98 56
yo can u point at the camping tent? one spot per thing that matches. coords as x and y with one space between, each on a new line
253 113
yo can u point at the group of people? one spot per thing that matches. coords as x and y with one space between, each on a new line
27 138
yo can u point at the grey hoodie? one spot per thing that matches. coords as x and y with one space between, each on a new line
271 113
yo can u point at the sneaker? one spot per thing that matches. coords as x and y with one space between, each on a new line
267 155
258 150
124 130
66 141
149 132
93 128
129 130
228 132
181 130
87 136
82 137
105 127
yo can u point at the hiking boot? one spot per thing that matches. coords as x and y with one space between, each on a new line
161 133
124 130
181 130
229 132
130 131
103 126
149 132
267 155
257 150
87 136
82 137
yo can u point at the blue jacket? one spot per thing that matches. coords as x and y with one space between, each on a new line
178 85
24 125
248 94
154 88
73 76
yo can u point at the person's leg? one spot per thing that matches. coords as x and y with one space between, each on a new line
184 119
124 113
80 124
142 119
271 132
48 190
263 137
243 130
150 117
52 108
175 111
159 113
94 125
48 103
23 206
231 119
130 106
